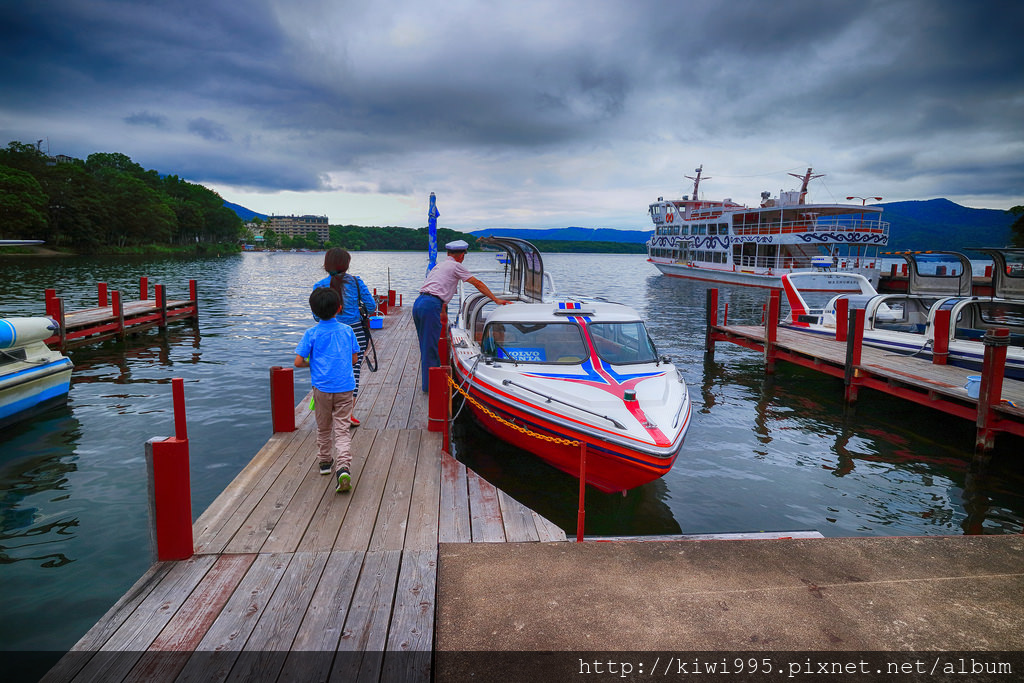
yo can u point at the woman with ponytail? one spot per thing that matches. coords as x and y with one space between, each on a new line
352 291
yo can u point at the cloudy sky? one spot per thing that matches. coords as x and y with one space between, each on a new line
526 113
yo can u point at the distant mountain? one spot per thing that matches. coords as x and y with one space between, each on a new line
942 224
244 213
571 234
916 225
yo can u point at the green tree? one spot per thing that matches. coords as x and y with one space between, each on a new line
1017 228
22 205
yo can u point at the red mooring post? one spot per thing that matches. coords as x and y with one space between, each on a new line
940 337
771 330
391 298
582 513
842 316
101 295
170 496
143 288
117 310
854 344
711 309
990 393
438 399
282 399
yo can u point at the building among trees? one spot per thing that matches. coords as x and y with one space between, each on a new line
300 226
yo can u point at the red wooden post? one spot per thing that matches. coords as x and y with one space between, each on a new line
161 303
50 296
143 288
725 315
391 297
771 331
193 295
903 270
711 309
117 310
854 345
178 396
170 496
988 271
399 300
58 307
842 316
892 271
581 514
438 399
101 297
282 399
990 393
940 338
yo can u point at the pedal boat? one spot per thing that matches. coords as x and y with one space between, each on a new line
549 374
32 377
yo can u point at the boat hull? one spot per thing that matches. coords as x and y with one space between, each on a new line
743 278
28 391
610 467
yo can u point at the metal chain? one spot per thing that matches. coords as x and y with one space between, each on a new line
524 430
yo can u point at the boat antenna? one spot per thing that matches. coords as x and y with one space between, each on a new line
806 178
696 180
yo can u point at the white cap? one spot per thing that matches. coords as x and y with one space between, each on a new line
457 245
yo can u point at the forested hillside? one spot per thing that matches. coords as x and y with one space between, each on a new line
105 201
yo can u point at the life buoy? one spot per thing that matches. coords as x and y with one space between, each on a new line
669 217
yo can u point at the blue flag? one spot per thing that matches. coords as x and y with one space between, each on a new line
432 215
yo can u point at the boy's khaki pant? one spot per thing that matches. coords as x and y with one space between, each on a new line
332 413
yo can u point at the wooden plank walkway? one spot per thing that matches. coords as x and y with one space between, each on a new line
291 581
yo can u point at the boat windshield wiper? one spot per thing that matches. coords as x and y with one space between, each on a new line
552 399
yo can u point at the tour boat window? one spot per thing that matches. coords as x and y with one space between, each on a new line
622 343
535 342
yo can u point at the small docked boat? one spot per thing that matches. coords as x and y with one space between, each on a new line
548 373
32 377
730 243
905 323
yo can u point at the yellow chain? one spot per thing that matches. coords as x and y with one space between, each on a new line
524 430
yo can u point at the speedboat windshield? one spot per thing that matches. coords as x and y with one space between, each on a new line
623 342
540 342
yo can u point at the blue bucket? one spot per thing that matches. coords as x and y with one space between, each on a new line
376 322
973 385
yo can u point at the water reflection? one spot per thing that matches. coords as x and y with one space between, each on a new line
34 471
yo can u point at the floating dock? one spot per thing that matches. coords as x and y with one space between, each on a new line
999 407
115 316
291 578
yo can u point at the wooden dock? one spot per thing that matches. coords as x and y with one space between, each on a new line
941 387
292 581
115 316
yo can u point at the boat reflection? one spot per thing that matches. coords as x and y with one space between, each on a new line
555 495
39 457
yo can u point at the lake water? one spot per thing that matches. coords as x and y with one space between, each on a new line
777 453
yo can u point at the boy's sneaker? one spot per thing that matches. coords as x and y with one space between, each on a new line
344 481
325 468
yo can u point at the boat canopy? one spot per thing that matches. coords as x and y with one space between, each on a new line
1008 271
945 273
525 266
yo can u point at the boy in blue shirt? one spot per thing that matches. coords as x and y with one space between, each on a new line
329 349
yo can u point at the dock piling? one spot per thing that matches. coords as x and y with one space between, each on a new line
990 393
854 346
101 295
143 288
582 512
711 308
771 330
282 399
439 399
170 495
940 337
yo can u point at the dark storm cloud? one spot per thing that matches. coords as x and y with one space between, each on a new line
277 95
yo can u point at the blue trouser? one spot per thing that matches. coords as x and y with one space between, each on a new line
426 313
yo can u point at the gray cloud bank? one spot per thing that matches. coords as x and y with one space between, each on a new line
546 104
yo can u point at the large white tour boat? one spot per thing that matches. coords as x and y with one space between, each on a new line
722 241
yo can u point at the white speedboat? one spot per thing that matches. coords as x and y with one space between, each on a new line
731 243
32 377
905 323
547 374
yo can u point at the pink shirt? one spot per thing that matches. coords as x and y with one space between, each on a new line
444 279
